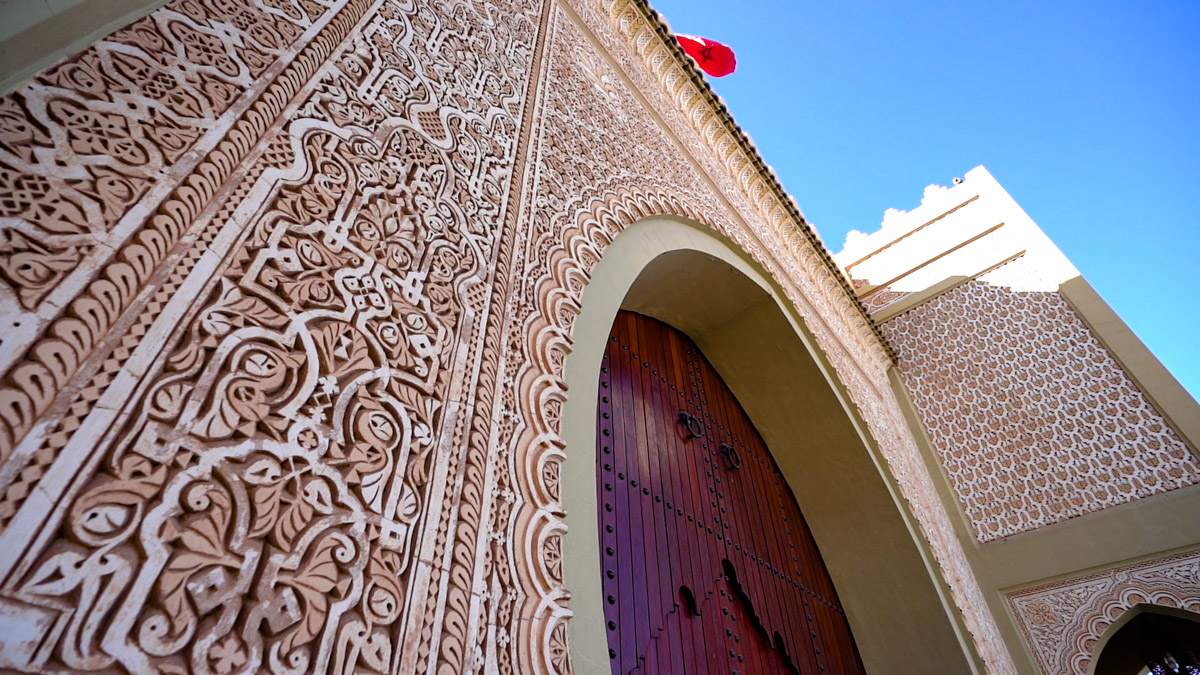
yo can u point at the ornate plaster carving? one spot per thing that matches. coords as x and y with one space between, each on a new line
293 281
264 466
1064 621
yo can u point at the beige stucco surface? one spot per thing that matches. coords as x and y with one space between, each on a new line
36 33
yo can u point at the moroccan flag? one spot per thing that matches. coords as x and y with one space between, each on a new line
713 57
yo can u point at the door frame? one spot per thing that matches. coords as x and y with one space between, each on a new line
895 598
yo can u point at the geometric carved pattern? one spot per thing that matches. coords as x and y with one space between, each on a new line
1063 622
1033 419
274 495
292 284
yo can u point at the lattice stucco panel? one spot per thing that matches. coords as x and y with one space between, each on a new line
1033 419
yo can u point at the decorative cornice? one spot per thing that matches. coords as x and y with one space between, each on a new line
751 155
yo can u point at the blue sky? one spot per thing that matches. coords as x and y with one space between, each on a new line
1088 113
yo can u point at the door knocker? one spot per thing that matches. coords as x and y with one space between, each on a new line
731 456
691 423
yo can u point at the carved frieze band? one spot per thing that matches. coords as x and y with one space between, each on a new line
1063 622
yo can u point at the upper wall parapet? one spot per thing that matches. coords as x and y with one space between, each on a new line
957 233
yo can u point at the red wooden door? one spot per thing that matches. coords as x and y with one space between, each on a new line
707 563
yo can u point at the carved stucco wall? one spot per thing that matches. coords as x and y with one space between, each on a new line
1033 419
287 290
1063 622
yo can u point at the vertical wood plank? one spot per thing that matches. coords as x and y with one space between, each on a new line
629 558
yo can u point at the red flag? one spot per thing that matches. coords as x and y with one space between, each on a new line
713 57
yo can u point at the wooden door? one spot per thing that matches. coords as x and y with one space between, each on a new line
707 563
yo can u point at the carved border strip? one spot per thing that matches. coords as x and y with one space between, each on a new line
474 558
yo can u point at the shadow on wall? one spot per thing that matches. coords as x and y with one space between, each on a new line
1151 639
